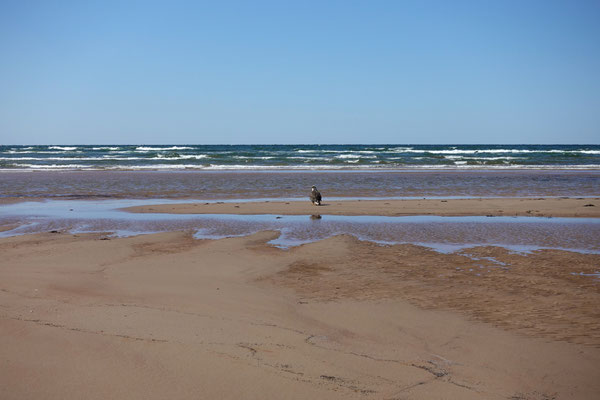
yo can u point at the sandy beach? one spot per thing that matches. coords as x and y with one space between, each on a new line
168 316
157 237
540 207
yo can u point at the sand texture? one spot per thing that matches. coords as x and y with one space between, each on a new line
167 316
540 207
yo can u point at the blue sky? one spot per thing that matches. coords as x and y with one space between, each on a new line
299 72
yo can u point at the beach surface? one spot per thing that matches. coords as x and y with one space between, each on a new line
168 316
540 207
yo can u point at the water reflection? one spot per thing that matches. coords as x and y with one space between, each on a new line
442 233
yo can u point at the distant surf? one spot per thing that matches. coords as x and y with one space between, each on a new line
298 157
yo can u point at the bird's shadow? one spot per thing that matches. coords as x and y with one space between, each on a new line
323 205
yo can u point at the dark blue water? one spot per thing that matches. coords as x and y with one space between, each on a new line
298 157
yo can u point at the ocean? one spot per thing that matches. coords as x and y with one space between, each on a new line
112 176
299 157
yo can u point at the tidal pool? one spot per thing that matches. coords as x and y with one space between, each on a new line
443 234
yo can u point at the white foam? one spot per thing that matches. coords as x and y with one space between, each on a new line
496 151
478 158
255 158
588 151
353 156
337 151
178 157
144 148
310 158
67 148
305 167
47 158
117 158
55 166
36 152
192 156
271 167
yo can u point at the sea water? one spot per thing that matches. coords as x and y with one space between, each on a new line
298 157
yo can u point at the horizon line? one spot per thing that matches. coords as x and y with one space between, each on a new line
303 144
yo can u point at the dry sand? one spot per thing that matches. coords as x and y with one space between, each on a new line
546 207
166 316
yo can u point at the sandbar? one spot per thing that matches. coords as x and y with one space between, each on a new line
540 207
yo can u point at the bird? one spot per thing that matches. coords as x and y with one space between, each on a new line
315 196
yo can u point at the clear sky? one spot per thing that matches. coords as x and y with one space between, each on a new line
85 72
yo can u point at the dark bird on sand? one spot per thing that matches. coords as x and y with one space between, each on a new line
315 196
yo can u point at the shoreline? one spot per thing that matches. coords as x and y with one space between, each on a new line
494 207
326 169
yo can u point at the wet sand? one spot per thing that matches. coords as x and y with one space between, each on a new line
167 316
540 207
217 185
